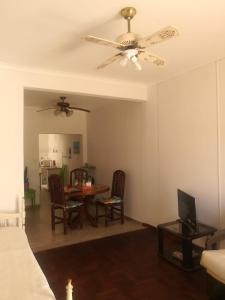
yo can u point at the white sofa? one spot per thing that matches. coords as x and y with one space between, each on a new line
21 277
214 260
214 263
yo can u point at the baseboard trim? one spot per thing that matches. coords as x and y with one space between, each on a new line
148 226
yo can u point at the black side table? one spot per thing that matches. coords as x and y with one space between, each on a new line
187 256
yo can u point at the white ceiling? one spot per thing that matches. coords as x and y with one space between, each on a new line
47 34
42 99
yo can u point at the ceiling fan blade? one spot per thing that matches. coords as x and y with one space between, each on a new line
45 109
159 36
110 60
78 108
149 57
104 42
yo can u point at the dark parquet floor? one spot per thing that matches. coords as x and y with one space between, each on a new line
120 267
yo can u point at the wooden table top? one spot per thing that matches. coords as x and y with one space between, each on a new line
86 190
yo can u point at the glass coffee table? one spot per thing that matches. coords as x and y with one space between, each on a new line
180 249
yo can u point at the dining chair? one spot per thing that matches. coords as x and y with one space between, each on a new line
60 202
78 176
114 204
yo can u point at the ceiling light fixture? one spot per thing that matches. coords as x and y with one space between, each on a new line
63 113
124 61
130 55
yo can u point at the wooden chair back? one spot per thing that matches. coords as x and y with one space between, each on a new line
118 184
79 175
56 189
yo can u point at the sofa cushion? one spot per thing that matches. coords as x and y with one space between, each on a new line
214 263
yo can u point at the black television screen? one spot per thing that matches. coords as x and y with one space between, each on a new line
186 208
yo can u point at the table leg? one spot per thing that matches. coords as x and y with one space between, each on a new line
88 216
187 253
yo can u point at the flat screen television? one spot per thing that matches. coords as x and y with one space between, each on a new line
186 209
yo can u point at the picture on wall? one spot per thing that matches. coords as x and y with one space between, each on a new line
76 147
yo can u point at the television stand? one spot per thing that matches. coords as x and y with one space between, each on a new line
184 255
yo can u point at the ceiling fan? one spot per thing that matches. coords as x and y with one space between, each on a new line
63 108
132 46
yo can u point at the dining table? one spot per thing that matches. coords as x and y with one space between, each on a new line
86 194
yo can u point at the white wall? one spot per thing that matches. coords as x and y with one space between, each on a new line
36 123
187 131
122 136
11 132
43 145
175 140
221 137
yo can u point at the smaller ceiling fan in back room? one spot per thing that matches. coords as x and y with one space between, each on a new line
63 108
132 46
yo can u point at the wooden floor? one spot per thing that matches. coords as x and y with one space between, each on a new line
120 267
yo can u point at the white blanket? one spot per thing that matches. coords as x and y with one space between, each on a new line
21 278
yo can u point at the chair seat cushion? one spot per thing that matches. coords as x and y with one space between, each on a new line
214 262
113 200
73 204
